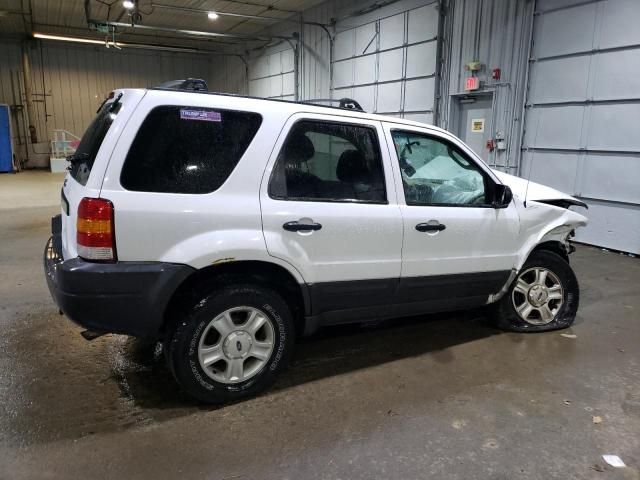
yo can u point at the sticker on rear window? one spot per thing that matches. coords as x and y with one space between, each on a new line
204 115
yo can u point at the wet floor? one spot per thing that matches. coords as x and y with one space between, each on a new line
443 396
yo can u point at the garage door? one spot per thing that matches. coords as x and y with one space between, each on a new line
582 123
271 75
389 64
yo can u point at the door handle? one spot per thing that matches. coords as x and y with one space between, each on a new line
299 227
430 227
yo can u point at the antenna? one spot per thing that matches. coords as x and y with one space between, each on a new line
535 140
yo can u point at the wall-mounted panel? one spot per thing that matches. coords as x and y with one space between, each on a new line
421 59
390 65
270 73
392 31
612 177
565 31
555 169
620 24
559 80
612 225
344 44
419 94
616 74
343 73
423 23
614 127
554 127
389 97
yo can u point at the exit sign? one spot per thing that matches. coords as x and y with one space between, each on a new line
472 83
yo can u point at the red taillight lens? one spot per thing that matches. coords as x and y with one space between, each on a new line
95 234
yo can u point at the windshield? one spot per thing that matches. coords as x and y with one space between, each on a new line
82 160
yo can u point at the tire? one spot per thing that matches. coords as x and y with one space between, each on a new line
221 324
561 303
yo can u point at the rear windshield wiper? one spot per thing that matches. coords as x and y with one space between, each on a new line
113 105
77 157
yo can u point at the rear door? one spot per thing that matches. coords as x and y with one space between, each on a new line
329 209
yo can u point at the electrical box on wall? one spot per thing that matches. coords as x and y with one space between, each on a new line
473 66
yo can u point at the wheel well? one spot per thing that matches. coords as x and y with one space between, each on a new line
261 273
555 247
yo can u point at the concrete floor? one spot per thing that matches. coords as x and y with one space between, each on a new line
438 397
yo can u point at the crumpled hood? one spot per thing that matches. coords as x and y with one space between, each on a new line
535 191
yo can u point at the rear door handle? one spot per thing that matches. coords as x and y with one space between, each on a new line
430 227
300 227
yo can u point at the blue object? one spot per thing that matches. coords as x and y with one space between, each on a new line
6 149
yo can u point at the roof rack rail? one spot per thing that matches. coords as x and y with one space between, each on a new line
195 84
346 103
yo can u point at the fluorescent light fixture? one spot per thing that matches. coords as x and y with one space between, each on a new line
46 36
144 46
128 4
212 15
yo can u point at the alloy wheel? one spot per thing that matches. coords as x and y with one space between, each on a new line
236 345
537 296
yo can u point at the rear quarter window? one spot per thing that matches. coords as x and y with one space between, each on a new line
181 149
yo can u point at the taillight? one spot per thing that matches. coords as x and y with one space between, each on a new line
95 233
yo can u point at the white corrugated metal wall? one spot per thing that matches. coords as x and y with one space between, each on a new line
389 64
69 81
582 134
271 73
407 36
495 33
228 74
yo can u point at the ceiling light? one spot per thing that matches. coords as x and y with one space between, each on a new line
144 46
128 4
212 15
70 39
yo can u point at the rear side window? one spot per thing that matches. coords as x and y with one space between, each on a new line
187 149
327 161
85 155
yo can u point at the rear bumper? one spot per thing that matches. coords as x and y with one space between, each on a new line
124 297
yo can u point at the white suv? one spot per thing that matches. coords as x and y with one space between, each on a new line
225 226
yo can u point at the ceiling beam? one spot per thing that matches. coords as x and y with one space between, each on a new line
181 31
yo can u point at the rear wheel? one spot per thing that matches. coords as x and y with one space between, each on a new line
231 344
544 296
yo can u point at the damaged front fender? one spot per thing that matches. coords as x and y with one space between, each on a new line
545 214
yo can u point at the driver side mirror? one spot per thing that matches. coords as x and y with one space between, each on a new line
502 196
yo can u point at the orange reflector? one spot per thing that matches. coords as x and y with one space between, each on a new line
86 225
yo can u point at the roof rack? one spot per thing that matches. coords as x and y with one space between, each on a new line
199 86
194 84
346 103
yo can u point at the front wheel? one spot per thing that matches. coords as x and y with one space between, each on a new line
231 344
544 296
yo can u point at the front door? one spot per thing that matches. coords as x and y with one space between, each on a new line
456 245
329 209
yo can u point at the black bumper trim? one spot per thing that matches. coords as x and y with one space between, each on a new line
124 297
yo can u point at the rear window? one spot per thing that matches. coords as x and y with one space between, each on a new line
84 156
187 149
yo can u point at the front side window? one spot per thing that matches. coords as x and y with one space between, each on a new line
434 172
187 149
327 161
